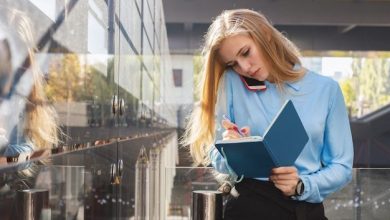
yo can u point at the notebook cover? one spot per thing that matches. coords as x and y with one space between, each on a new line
286 137
250 159
283 142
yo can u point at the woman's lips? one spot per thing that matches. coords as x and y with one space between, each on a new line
254 73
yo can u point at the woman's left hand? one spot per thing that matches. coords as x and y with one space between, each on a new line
285 179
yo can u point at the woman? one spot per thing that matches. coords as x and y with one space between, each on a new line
243 43
27 122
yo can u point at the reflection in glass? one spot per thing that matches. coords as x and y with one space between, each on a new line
142 186
81 87
27 122
132 26
47 7
66 185
96 36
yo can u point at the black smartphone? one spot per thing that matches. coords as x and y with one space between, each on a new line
253 84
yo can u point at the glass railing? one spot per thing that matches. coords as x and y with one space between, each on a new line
85 192
91 184
367 196
178 199
48 192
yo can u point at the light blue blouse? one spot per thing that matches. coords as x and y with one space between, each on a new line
325 164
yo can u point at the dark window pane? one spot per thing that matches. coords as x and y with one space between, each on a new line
178 77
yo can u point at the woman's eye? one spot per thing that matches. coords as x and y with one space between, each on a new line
245 53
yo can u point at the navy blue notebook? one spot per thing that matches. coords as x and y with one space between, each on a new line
280 145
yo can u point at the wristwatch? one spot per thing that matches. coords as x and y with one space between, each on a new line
299 188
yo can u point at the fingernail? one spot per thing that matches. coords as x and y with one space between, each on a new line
243 130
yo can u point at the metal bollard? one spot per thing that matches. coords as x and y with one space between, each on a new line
206 205
32 204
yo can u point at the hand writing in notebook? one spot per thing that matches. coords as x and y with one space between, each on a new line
232 130
284 178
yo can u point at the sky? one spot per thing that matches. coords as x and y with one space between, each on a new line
330 65
335 67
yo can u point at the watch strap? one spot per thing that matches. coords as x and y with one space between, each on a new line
300 188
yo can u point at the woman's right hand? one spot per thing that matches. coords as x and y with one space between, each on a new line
232 131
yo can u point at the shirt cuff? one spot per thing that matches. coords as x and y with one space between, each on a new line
307 189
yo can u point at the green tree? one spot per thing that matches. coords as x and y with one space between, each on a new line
348 92
65 79
197 60
371 80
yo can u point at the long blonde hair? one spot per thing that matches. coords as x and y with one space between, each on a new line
280 55
40 122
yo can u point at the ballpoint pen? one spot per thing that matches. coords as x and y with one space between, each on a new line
235 127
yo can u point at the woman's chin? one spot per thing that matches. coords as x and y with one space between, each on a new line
260 78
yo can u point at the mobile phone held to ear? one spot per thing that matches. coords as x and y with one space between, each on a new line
253 84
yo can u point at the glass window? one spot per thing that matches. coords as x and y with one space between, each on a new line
97 35
147 89
147 54
131 23
178 77
149 25
130 74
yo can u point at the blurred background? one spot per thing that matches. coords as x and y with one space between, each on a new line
95 96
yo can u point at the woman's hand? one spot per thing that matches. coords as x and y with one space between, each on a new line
285 179
232 131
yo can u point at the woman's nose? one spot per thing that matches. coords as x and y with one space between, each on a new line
244 66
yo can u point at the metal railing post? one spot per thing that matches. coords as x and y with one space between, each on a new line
206 205
33 204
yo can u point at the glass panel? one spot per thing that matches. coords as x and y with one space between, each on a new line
139 4
78 186
148 54
157 73
47 7
72 34
365 197
28 120
97 25
130 66
147 90
149 26
62 100
180 182
151 8
143 180
130 90
158 22
130 20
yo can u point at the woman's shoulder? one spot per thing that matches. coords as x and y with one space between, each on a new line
320 80
231 79
231 75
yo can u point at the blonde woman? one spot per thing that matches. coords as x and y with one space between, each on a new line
243 43
27 122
